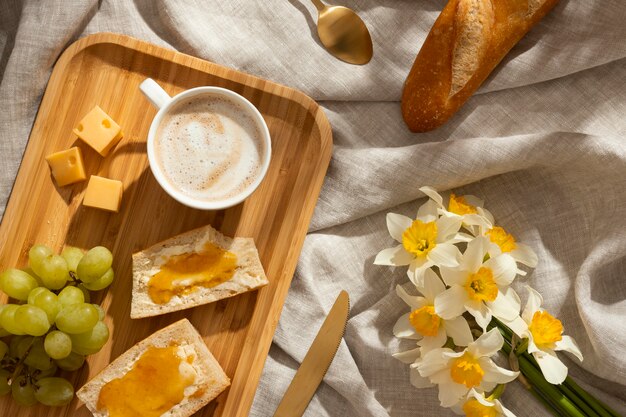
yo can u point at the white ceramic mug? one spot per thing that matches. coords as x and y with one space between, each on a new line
163 102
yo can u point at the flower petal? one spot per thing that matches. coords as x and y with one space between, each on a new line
525 255
453 276
434 342
503 268
433 362
450 303
481 313
396 256
553 370
451 394
518 325
432 194
444 254
568 344
532 305
493 373
447 227
412 301
417 380
416 271
459 331
473 200
404 329
408 356
432 285
487 344
474 254
502 308
486 214
428 212
397 224
476 220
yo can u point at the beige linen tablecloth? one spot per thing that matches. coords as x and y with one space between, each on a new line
543 143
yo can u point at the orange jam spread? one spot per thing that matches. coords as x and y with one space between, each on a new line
152 387
183 274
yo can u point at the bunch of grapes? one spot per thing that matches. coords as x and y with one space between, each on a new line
51 323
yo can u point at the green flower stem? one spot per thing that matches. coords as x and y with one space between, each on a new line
580 402
598 405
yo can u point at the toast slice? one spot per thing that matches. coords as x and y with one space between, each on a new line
208 382
248 271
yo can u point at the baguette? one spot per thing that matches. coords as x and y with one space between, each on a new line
465 44
209 381
248 273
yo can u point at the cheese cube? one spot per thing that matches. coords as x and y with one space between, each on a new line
67 166
99 131
103 193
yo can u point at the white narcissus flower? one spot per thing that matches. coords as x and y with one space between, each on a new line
423 324
458 372
466 207
504 242
477 405
545 337
479 288
424 242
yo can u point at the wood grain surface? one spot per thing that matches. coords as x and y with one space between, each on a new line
106 69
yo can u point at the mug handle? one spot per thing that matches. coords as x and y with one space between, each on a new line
154 93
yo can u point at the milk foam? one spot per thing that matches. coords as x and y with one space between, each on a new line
209 148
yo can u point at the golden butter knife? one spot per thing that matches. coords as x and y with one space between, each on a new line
316 361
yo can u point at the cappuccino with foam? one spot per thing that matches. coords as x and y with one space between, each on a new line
209 148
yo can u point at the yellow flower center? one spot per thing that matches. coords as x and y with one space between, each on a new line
473 408
545 329
500 237
425 321
419 238
467 371
458 205
481 286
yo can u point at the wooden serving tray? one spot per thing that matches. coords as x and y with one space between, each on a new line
106 69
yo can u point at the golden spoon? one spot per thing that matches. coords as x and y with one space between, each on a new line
343 33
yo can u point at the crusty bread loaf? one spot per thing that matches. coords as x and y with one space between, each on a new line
210 378
465 44
248 275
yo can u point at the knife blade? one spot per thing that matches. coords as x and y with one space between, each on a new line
316 361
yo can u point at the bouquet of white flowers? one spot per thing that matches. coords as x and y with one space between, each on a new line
462 264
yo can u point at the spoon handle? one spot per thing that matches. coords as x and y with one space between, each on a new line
319 5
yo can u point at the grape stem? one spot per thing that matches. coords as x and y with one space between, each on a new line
20 364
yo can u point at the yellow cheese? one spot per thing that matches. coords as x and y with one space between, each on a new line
99 131
67 166
103 193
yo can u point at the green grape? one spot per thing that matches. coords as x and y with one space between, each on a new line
37 254
101 283
92 341
22 391
94 264
3 332
37 356
57 344
72 256
53 272
34 293
4 348
48 302
33 320
101 312
8 322
73 362
14 343
17 284
71 295
85 291
54 391
24 344
5 388
30 272
77 318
